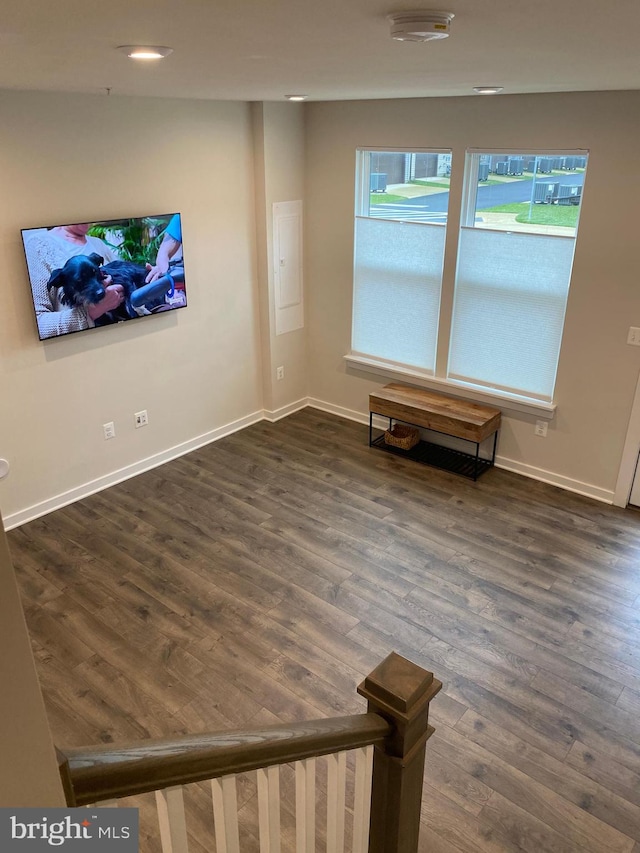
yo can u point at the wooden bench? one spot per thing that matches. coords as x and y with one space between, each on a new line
458 418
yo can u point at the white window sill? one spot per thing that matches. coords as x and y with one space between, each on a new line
500 399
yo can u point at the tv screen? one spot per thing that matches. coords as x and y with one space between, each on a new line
96 274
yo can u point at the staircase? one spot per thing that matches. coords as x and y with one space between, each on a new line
358 779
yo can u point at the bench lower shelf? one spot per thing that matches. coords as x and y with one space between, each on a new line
439 457
466 464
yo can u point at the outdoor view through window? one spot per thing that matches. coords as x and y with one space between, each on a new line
514 192
535 194
412 186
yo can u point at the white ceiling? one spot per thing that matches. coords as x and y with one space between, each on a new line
254 50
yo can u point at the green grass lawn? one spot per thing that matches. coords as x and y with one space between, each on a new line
384 198
541 214
424 182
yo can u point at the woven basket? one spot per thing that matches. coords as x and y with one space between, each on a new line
404 437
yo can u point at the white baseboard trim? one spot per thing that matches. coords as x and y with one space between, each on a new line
122 474
276 414
349 414
97 485
567 483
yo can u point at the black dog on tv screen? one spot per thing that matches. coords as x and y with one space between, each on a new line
83 280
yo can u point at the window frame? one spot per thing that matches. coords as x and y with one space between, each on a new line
363 212
467 196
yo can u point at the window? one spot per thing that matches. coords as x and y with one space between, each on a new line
401 213
518 225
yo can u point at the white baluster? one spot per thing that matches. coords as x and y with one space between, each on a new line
362 799
225 814
171 817
306 806
269 809
336 787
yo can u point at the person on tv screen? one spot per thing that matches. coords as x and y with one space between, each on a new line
169 247
49 250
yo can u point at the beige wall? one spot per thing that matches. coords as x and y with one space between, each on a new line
28 769
598 370
68 158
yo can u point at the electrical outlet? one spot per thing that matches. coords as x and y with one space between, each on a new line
541 428
109 430
141 418
633 337
279 373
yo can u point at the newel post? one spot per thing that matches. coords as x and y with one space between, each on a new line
400 691
65 777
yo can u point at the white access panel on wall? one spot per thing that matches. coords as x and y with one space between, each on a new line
287 262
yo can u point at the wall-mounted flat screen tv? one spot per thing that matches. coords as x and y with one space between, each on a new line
94 274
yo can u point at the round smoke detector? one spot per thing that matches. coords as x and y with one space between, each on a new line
420 26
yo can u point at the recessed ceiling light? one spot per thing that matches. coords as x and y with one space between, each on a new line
488 90
296 97
420 26
137 51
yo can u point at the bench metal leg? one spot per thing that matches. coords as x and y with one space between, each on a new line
493 455
371 414
495 443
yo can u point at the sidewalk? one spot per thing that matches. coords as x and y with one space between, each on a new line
507 222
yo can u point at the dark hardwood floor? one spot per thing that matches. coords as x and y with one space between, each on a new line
260 578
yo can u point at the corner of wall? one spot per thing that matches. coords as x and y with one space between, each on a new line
28 773
278 139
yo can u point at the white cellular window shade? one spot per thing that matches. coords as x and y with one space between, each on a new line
508 316
515 253
398 272
402 201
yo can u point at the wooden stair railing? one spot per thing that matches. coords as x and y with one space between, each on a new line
396 725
